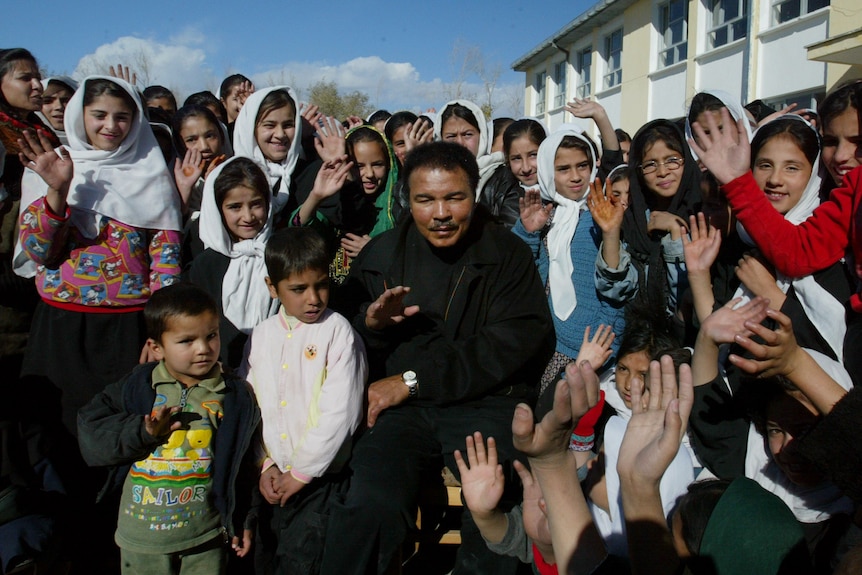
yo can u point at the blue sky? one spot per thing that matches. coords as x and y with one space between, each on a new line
399 53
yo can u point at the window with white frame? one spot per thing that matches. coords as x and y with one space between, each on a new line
803 100
784 10
584 65
613 59
560 83
728 21
673 26
539 86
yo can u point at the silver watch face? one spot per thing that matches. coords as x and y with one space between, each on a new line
409 377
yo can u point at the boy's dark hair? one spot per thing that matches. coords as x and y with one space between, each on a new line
156 92
295 250
207 99
622 135
695 509
181 299
397 120
444 156
228 84
378 116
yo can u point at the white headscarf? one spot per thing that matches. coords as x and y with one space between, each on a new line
565 222
737 112
824 311
674 483
245 297
69 83
130 184
488 162
245 144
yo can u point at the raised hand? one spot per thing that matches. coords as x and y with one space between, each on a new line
585 108
482 481
598 349
353 121
389 309
123 73
53 166
701 244
244 90
776 355
724 151
535 513
548 440
759 280
329 138
331 177
725 323
607 211
310 113
417 133
658 423
534 215
186 174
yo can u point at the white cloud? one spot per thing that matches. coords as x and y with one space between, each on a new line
180 64
176 64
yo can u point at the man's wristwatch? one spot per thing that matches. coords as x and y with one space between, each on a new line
409 379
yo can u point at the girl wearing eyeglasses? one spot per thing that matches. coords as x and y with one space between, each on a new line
642 254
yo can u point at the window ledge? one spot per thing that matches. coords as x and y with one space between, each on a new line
716 53
821 14
609 91
668 70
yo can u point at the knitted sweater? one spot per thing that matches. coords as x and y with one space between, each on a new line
593 308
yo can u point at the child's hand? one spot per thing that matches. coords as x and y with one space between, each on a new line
776 355
724 151
702 247
186 174
56 169
665 222
585 108
123 73
598 350
725 323
267 484
310 113
159 424
534 216
331 177
286 486
482 482
242 546
416 133
607 211
759 280
353 244
329 139
534 513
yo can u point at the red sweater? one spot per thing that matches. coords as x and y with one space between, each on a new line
816 243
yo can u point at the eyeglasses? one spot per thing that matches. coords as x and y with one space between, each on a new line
673 163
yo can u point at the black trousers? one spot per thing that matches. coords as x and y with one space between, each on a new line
368 525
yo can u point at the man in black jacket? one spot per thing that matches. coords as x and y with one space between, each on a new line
458 330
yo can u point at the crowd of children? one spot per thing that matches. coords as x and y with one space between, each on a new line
182 398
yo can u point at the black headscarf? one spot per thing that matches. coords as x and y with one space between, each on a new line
643 247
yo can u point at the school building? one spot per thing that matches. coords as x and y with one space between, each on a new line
645 59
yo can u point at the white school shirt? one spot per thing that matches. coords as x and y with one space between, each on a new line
309 381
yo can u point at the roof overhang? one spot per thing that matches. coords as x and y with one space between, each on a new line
599 14
844 48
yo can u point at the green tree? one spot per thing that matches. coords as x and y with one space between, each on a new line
333 103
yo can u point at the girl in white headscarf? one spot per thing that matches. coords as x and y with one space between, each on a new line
104 231
565 251
269 131
463 122
235 223
57 91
